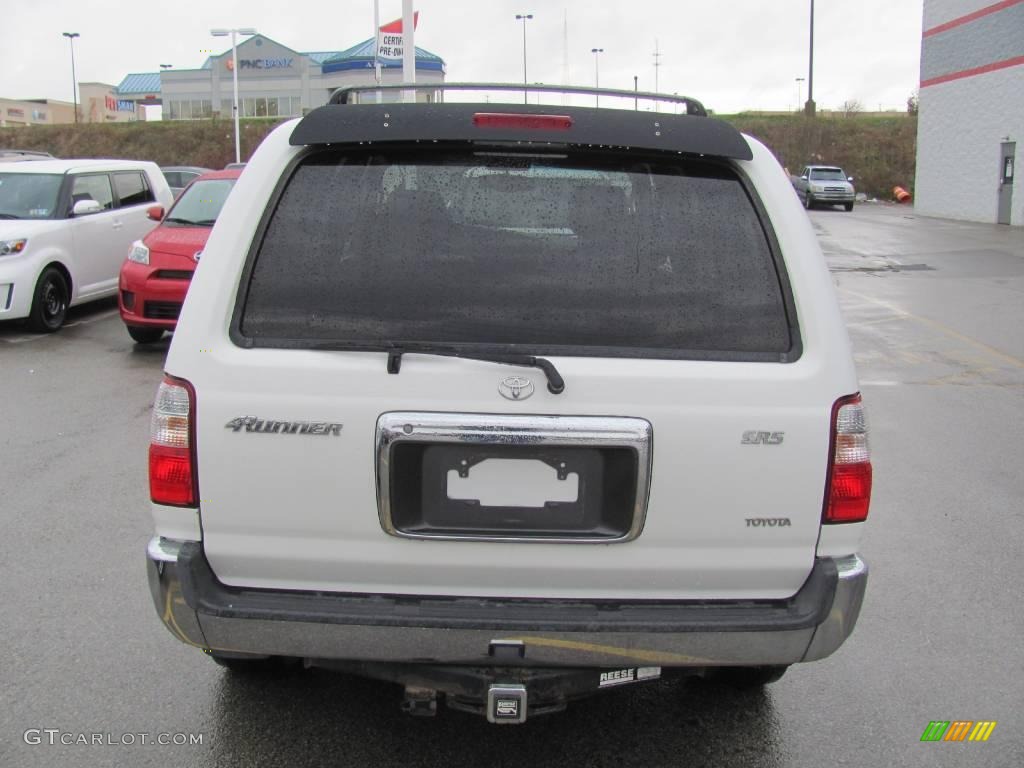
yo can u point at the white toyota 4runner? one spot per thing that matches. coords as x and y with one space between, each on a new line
509 404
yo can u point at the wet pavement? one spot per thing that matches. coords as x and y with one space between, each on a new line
936 315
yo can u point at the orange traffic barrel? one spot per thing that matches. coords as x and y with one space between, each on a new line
901 194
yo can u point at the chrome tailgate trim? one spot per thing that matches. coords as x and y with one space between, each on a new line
513 429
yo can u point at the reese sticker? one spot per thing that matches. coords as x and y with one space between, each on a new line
631 675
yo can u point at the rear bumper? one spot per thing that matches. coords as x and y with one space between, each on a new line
201 611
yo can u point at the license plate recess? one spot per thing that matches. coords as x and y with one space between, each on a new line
608 459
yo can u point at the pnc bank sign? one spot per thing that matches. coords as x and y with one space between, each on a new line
285 63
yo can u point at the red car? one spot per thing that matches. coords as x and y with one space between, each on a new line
156 274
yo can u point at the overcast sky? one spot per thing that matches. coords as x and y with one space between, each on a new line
730 54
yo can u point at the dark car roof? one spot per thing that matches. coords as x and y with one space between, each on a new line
186 168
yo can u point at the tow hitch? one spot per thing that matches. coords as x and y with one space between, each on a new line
505 695
506 703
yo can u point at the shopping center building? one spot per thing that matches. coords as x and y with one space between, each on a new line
17 113
273 80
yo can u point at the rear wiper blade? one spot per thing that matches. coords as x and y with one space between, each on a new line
556 384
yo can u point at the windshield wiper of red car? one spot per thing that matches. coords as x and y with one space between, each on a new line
556 384
190 223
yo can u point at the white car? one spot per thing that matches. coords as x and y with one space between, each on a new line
65 228
509 404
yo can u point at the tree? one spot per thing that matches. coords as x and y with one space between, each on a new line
912 103
852 108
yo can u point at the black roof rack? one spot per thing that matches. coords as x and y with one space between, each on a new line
693 107
693 133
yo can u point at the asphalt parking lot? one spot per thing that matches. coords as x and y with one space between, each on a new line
936 316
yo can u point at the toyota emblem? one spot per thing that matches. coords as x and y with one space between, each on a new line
516 388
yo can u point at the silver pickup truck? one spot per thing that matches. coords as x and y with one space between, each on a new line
824 185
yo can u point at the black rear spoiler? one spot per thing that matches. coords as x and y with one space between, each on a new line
343 122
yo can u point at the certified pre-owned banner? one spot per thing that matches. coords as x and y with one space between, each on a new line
391 40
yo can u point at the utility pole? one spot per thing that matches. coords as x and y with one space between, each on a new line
597 81
636 101
657 64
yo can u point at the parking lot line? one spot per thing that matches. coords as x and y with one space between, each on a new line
84 321
93 319
1005 357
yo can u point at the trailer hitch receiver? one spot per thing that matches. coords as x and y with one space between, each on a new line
506 703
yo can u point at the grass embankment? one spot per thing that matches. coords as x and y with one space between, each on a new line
879 152
205 143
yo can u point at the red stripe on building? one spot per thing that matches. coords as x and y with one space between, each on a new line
1015 61
995 8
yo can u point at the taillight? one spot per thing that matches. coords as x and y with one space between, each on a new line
525 121
172 469
848 489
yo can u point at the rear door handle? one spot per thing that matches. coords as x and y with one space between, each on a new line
118 225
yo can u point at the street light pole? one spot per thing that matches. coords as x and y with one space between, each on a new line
74 79
809 106
636 87
234 75
799 92
597 80
524 17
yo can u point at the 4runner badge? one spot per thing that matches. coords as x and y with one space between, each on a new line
253 424
516 388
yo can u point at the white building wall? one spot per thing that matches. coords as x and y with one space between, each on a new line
938 12
961 125
963 121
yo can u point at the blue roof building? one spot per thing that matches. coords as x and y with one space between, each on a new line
361 57
139 83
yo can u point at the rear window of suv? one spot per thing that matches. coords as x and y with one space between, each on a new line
552 254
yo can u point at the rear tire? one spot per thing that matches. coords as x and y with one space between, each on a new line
742 678
49 302
142 335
